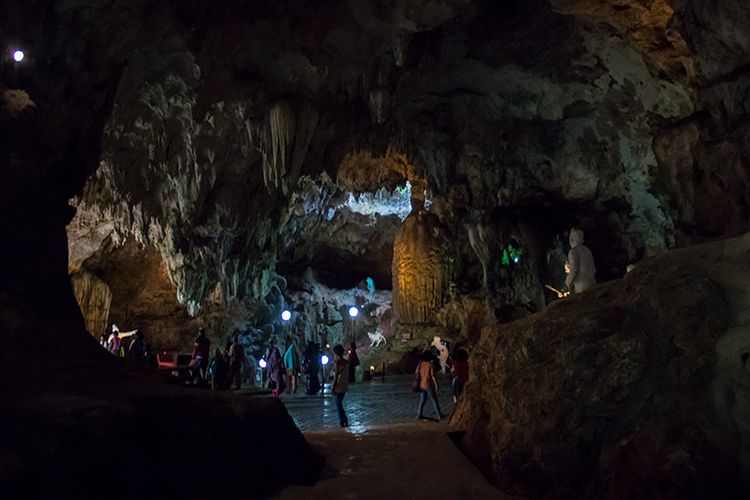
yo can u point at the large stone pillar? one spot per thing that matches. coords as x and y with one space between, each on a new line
419 272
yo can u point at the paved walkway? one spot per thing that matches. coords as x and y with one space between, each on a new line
385 453
369 404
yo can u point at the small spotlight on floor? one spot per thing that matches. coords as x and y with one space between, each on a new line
286 315
353 311
18 55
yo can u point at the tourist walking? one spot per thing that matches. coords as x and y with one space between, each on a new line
276 370
201 352
340 382
237 361
428 385
291 363
460 372
114 343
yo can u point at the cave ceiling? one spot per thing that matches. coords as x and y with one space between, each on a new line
625 117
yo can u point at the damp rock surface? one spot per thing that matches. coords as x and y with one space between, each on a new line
637 386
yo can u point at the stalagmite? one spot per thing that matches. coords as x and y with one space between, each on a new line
419 276
94 298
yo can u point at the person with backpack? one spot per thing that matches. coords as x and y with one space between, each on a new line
291 364
427 385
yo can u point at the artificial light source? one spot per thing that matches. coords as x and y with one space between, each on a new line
324 360
286 315
262 363
353 311
372 369
18 55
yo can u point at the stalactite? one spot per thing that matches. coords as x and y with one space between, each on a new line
479 240
282 126
307 122
379 100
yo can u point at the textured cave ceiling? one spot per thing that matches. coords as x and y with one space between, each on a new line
236 133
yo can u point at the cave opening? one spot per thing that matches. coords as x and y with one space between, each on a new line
557 187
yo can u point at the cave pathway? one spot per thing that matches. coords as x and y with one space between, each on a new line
385 453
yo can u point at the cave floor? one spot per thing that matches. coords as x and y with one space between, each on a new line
400 461
373 403
386 452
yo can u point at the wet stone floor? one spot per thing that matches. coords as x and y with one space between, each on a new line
367 404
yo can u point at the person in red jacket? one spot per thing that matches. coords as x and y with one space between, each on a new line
460 372
201 350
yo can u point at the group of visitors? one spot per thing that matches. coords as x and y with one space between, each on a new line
225 368
137 352
426 384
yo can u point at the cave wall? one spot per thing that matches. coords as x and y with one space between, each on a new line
638 385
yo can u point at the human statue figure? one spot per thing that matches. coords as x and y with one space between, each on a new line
580 266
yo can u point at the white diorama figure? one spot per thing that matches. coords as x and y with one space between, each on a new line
580 266
376 338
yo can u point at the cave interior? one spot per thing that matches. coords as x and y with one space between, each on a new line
169 166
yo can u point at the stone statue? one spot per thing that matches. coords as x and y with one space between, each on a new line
376 338
580 266
442 348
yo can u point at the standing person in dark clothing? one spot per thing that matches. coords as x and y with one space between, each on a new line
460 371
276 369
201 351
291 364
137 350
340 382
236 362
353 363
312 368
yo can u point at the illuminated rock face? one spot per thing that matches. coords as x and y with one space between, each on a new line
419 271
94 298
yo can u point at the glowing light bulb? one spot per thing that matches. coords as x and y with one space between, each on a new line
353 311
515 259
324 360
262 363
286 315
372 368
18 55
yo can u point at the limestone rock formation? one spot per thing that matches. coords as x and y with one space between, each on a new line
638 386
94 298
420 278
